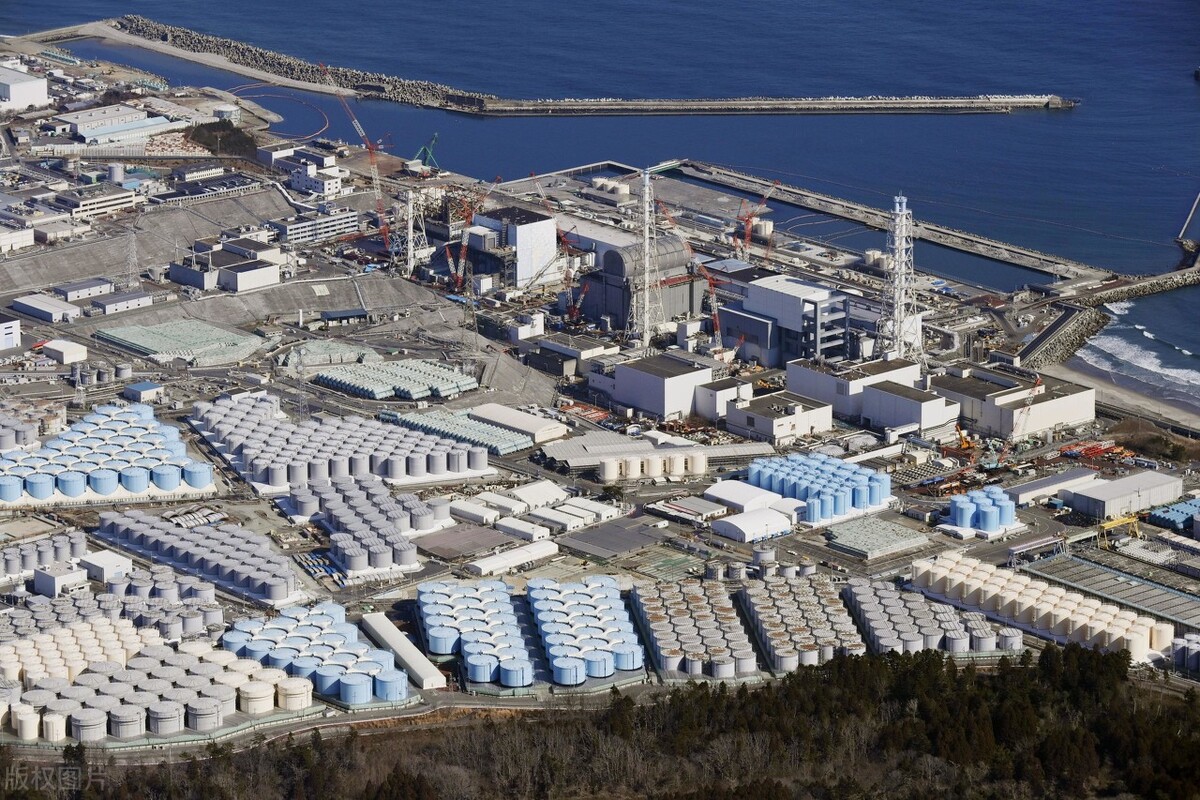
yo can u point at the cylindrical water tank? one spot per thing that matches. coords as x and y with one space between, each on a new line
165 718
256 697
89 725
166 477
355 688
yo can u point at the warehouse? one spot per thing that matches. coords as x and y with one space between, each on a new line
752 526
537 428
105 565
661 386
740 496
478 513
538 494
510 560
46 308
251 275
83 290
1032 491
1124 496
557 521
10 332
20 90
122 301
143 392
64 352
522 529
505 505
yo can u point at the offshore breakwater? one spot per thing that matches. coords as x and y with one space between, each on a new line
427 94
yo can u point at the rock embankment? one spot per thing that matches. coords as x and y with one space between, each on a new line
367 84
1072 336
1166 282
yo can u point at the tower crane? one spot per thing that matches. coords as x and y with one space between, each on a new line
1018 423
372 148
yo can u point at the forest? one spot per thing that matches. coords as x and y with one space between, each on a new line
1068 723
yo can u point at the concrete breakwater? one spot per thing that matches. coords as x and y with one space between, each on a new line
435 95
1070 336
1143 287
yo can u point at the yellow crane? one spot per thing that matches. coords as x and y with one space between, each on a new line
1130 522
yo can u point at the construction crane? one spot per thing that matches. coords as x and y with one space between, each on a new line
372 157
1130 522
425 154
1018 425
748 218
713 302
575 307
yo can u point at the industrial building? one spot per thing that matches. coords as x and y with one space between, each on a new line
661 386
84 123
778 418
324 182
532 239
1032 491
618 265
740 496
871 538
197 172
55 579
783 318
122 301
752 526
842 385
16 235
64 351
46 308
105 565
326 222
1123 496
84 290
537 428
20 90
97 200
1012 405
195 342
10 332
248 276
714 399
143 392
896 409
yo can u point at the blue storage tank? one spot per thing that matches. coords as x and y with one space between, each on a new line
258 649
1008 512
235 642
442 641
482 668
335 611
568 671
874 493
826 499
356 688
198 475
282 657
861 496
135 479
72 483
842 501
628 656
516 672
964 515
304 667
989 519
391 685
142 410
327 678
165 477
11 487
102 481
884 482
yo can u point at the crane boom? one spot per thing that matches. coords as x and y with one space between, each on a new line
373 160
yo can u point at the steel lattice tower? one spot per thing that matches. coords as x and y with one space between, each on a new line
645 294
900 311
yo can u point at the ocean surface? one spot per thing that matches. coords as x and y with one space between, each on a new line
1107 183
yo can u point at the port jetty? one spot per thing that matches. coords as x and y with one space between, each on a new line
262 64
